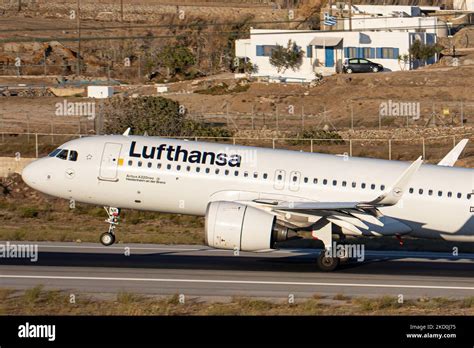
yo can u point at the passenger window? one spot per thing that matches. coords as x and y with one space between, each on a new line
334 182
140 163
246 174
315 180
265 175
430 192
236 173
130 163
420 191
295 178
217 171
440 193
168 166
198 169
279 177
178 167
188 168
62 154
226 172
325 181
382 187
149 164
411 190
450 194
354 184
344 183
363 185
468 196
158 165
305 180
372 186
255 175
459 194
207 170
73 156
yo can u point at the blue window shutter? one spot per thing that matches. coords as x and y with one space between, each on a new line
379 52
395 52
309 51
260 51
360 52
346 52
372 52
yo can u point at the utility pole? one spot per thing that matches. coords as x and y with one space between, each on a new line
350 15
78 17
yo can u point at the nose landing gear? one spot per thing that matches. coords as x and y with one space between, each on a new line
108 238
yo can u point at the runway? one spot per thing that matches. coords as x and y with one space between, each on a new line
200 271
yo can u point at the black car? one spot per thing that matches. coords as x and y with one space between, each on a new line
356 65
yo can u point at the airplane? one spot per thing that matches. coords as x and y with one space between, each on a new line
252 198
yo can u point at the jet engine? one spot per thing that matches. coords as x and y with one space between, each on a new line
231 225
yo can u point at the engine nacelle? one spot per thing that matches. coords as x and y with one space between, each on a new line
232 225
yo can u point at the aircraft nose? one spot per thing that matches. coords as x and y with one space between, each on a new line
36 173
28 174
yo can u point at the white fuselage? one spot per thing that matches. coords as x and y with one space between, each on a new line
113 171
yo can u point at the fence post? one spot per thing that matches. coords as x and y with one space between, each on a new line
36 144
390 149
424 149
350 147
252 115
311 145
273 143
352 117
302 117
276 118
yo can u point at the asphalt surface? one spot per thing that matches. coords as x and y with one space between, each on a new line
204 272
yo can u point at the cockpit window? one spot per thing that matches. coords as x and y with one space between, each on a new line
54 153
73 155
63 154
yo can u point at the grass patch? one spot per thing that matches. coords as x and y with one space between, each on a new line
36 301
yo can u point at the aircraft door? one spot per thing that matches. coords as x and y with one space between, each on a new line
295 178
109 162
279 181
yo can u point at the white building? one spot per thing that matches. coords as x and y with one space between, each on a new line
387 18
463 5
410 24
324 52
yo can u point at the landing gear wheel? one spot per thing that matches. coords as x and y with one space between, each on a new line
327 263
107 238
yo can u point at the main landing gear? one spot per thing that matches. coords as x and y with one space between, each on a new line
326 262
108 238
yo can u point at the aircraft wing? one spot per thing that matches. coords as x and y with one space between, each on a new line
450 159
356 218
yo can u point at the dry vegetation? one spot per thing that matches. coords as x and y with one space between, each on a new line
37 301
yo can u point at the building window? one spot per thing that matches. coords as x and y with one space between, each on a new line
350 52
265 50
387 52
309 51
